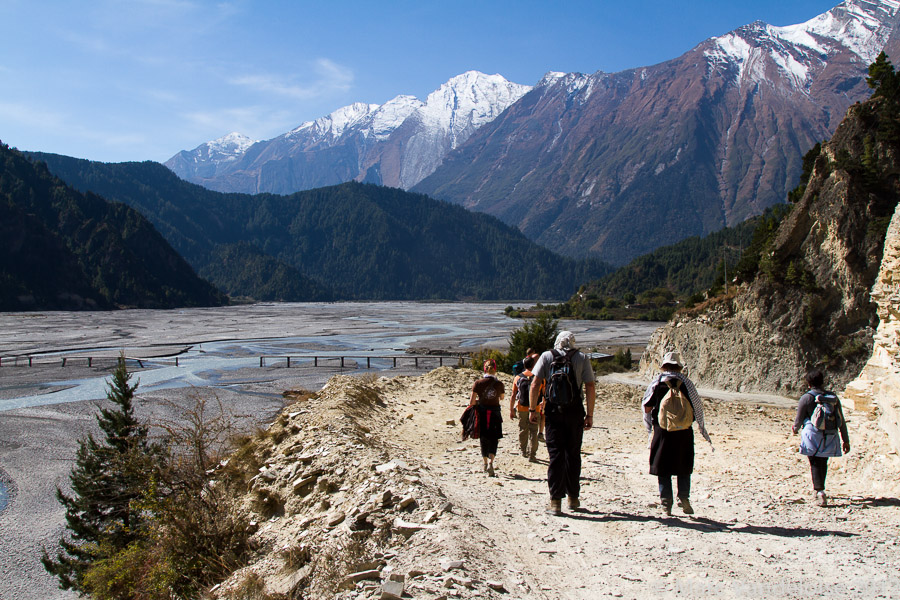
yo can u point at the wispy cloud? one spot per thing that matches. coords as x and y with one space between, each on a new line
52 122
254 121
32 116
329 78
148 28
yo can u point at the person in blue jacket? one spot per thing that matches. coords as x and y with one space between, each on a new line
819 444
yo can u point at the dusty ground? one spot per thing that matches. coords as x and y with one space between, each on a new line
756 532
38 443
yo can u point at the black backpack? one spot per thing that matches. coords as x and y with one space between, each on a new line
562 386
523 391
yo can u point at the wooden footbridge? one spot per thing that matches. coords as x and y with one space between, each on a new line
321 360
419 361
317 360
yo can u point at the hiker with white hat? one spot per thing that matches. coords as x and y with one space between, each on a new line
670 405
564 378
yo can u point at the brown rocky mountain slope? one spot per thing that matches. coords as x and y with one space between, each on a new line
620 164
810 302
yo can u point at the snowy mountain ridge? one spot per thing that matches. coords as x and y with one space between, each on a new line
593 163
859 26
446 118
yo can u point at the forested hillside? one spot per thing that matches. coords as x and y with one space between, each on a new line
690 266
653 286
61 249
351 241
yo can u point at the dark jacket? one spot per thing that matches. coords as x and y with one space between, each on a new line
469 420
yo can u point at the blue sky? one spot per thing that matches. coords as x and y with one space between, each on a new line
117 80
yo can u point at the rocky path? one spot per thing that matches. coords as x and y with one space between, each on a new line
369 477
756 532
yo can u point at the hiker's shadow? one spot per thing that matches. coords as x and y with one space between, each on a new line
704 524
520 477
869 502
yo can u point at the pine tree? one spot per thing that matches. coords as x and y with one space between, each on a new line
538 334
107 479
882 78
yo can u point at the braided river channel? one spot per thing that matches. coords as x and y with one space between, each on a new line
223 346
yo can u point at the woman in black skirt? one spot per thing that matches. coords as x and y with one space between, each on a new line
672 452
487 396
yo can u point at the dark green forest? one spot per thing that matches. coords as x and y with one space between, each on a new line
65 250
346 242
655 285
686 267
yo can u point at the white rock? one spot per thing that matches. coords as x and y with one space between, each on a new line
392 590
449 565
406 529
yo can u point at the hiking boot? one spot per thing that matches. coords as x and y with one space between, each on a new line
555 506
666 504
485 468
574 503
532 458
541 437
524 453
821 499
685 505
490 471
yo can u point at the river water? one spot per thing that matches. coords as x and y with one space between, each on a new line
221 346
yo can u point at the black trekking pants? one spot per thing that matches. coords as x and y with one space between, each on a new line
563 433
818 466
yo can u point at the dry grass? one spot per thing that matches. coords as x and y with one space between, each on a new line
252 587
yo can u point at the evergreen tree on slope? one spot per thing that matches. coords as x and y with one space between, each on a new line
108 478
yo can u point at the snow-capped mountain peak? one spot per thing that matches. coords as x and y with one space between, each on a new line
429 130
468 101
233 143
333 125
550 77
859 26
391 115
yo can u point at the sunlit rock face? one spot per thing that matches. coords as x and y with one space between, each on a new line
877 389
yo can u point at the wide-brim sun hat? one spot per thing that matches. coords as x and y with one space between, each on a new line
672 358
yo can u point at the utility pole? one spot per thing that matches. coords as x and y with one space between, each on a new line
725 268
725 261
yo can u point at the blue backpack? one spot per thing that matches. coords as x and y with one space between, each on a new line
826 416
562 386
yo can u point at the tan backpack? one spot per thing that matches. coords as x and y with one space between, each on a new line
675 410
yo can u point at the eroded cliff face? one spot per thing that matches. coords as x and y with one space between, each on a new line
877 389
810 305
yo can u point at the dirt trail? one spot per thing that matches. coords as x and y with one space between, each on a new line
756 532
